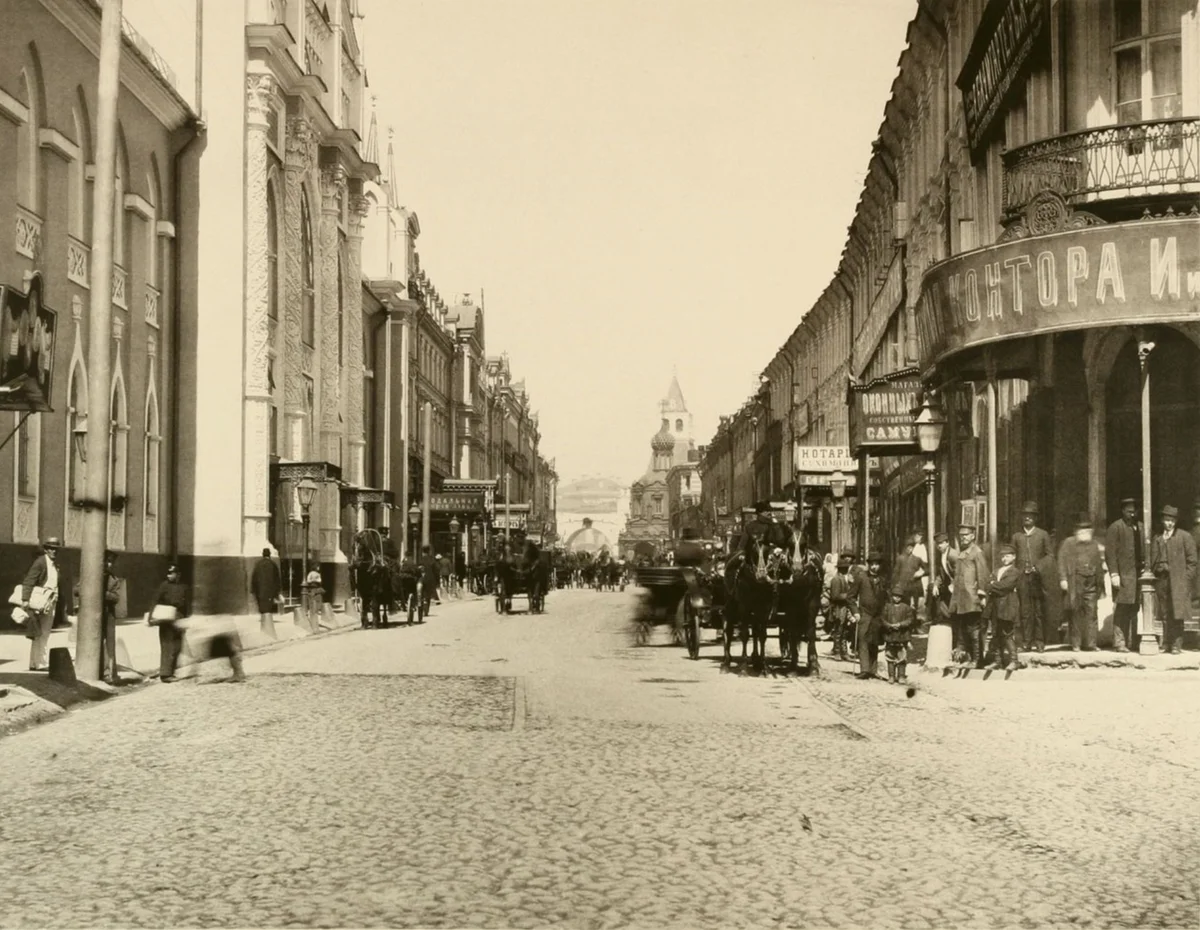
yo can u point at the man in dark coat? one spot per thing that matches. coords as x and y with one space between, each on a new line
872 598
758 528
1123 553
1032 547
45 572
967 599
1081 571
905 572
941 572
1173 561
843 606
265 585
1004 610
390 549
430 577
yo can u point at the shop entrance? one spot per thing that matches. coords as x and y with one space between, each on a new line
1174 425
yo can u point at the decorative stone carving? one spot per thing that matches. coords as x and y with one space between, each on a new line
293 304
328 337
333 185
260 97
1048 212
301 144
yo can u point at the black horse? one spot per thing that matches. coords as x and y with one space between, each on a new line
750 581
799 603
381 583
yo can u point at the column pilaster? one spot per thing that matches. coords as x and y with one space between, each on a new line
333 184
300 156
256 512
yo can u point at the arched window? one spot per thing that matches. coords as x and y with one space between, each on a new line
308 321
77 199
76 416
152 195
151 451
119 237
679 426
27 144
119 440
272 254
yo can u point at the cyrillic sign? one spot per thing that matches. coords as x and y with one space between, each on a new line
881 413
456 502
823 458
1127 273
1004 42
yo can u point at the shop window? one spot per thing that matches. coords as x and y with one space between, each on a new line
1147 64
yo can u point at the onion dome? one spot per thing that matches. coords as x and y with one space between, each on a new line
663 442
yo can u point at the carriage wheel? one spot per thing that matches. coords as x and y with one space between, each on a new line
691 628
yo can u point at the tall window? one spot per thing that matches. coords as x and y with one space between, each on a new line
119 442
308 322
119 213
76 412
27 145
272 255
27 457
77 195
153 443
1147 60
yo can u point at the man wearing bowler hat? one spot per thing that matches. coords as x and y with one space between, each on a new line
1081 571
969 595
1032 545
1173 561
1123 552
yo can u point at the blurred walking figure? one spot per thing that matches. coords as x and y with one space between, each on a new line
41 594
908 571
1173 561
171 603
1081 572
266 584
1004 611
1032 547
1123 552
898 620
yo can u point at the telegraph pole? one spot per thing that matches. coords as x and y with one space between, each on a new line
95 520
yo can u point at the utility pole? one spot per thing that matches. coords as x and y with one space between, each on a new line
95 521
426 476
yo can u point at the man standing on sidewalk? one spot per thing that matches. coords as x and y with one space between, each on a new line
966 603
1123 552
872 598
1032 546
1081 572
265 584
1173 561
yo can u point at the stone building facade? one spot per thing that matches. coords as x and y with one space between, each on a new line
277 287
48 78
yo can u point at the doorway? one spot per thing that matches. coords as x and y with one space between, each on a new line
1174 425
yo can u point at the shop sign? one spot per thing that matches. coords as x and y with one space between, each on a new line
824 481
882 413
887 301
513 521
456 502
27 342
823 458
1004 43
1123 274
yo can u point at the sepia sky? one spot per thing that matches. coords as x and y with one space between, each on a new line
639 186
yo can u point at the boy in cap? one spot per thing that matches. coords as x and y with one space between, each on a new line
872 599
1123 552
1005 610
1032 547
843 605
1081 571
1173 561
898 619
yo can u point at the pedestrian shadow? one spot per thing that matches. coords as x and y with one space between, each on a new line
42 686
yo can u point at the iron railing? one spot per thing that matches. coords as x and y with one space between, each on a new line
1136 159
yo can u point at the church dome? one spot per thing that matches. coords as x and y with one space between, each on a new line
663 442
586 539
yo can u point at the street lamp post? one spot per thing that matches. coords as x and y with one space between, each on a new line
306 493
837 484
454 545
930 422
414 521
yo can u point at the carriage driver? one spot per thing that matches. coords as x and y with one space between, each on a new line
390 549
689 552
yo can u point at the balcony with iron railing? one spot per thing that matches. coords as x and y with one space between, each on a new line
1128 162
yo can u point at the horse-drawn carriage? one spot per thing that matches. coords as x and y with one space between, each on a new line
381 585
682 598
525 578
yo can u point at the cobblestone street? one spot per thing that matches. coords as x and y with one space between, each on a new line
526 771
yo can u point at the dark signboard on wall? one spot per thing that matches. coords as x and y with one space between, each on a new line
882 414
1120 274
27 341
1008 35
456 502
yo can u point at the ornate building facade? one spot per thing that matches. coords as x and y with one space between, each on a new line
275 382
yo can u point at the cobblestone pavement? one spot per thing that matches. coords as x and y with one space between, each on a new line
522 771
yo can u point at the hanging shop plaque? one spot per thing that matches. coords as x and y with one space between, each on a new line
456 502
1145 271
997 62
512 521
823 459
882 417
27 342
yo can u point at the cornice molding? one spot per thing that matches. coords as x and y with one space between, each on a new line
59 144
136 203
12 109
147 85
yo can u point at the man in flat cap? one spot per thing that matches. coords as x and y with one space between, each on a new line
1033 549
967 600
872 598
1123 552
1173 561
942 573
1081 571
